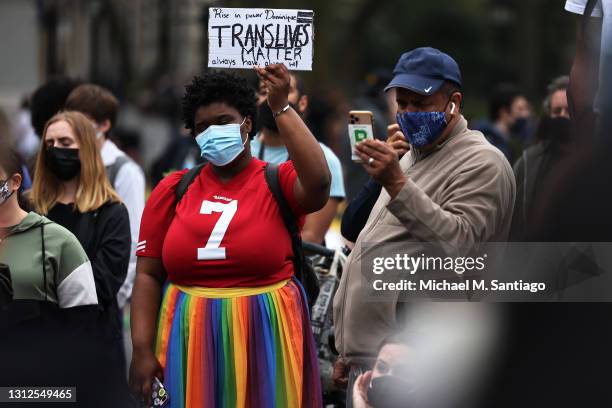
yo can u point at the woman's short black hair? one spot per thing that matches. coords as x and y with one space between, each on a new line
218 86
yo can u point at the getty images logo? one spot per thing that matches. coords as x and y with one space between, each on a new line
413 264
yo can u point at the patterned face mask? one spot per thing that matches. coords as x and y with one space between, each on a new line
422 128
5 193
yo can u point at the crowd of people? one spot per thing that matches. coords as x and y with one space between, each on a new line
209 265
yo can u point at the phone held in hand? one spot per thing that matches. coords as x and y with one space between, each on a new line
360 128
159 395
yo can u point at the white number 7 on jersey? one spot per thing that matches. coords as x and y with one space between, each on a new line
212 250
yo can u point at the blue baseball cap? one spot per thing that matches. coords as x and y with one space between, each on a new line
424 70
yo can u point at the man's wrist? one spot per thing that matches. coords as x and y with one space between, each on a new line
396 186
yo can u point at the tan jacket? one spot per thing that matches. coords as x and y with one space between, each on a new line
460 194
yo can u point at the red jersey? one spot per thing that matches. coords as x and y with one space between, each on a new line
221 234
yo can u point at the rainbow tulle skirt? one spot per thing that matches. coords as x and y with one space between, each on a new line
238 347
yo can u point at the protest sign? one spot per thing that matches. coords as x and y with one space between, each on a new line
242 38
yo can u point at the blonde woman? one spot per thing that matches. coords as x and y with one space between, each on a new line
71 189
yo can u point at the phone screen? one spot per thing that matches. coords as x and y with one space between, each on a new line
359 129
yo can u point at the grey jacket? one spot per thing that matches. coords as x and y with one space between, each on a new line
461 194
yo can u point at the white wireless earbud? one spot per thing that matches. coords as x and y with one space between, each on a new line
453 106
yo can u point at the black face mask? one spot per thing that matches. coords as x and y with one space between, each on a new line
555 129
520 127
391 392
265 119
64 163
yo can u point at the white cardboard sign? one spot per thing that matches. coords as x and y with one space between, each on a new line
244 37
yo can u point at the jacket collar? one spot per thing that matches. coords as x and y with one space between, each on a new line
459 128
31 220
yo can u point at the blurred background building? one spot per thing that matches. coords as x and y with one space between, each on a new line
120 43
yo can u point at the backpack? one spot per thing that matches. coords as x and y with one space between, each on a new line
113 170
304 270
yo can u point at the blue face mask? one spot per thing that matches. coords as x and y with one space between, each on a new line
422 128
221 144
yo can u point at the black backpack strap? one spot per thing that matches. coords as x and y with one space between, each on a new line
271 173
588 9
44 258
186 181
588 12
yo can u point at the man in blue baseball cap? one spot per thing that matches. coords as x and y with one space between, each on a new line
441 183
427 85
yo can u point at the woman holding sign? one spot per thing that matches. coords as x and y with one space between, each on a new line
230 328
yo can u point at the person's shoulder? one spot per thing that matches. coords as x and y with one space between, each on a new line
64 246
477 141
130 167
487 128
476 149
58 233
55 229
113 210
171 180
285 167
111 152
329 153
330 156
536 149
257 163
528 155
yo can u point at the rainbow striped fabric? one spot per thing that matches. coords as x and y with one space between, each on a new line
238 348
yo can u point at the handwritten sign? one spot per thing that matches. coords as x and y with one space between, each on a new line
242 38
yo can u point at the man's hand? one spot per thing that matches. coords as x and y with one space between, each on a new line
340 374
381 162
360 390
276 80
397 140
